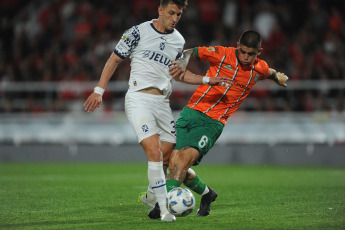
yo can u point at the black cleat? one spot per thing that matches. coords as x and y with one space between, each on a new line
206 200
155 213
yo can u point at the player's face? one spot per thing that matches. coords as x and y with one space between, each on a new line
247 55
170 16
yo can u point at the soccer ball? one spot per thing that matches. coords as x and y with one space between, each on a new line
180 201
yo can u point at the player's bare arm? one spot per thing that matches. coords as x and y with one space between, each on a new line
94 101
181 65
194 79
277 77
179 73
187 55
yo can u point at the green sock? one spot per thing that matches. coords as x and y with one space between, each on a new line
172 184
197 185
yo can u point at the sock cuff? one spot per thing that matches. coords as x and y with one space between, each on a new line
197 185
193 182
172 183
155 165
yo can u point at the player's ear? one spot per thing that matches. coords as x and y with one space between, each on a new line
259 52
160 10
238 45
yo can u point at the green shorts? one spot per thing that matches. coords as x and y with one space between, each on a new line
197 130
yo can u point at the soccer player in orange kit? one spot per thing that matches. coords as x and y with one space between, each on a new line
202 121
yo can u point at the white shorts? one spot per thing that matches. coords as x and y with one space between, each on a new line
150 114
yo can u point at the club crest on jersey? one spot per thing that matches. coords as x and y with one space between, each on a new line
229 67
162 46
145 128
211 49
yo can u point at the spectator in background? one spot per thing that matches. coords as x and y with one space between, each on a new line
36 37
265 19
230 14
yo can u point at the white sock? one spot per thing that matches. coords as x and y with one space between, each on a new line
150 194
205 191
157 183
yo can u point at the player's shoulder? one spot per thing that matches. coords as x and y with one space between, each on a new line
261 65
217 50
144 25
143 29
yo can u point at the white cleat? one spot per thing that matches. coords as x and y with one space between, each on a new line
148 202
168 217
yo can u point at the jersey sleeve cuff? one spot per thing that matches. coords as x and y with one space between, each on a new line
196 53
118 54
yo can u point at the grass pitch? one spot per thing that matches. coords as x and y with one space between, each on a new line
104 196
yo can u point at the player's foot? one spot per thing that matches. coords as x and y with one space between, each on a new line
155 213
142 198
205 204
168 217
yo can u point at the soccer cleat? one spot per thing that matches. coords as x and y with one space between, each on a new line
142 198
205 204
168 217
155 213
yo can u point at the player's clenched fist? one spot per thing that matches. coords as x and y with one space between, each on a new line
93 102
282 78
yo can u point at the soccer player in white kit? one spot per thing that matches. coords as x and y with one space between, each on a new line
151 46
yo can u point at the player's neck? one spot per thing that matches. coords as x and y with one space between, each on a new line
159 26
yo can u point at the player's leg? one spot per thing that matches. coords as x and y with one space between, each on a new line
167 136
180 161
148 197
166 148
152 148
196 134
140 113
180 174
208 195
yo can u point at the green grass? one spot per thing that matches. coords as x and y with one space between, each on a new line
104 196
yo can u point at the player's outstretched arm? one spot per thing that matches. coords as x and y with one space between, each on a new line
94 101
194 79
277 77
179 73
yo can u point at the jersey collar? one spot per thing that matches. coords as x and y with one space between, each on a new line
158 30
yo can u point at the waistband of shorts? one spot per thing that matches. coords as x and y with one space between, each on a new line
147 96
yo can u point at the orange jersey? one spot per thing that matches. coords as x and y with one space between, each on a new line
219 102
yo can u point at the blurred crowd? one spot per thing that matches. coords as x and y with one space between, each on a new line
70 41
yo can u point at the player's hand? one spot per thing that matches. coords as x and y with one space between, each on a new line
93 102
281 79
222 81
176 71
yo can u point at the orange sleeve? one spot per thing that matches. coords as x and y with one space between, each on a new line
263 70
211 54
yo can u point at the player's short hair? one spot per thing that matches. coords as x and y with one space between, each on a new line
182 4
251 39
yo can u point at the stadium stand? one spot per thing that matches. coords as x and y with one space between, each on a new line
52 53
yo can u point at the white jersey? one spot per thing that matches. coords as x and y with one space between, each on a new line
151 53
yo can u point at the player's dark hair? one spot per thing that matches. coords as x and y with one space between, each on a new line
251 39
182 4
